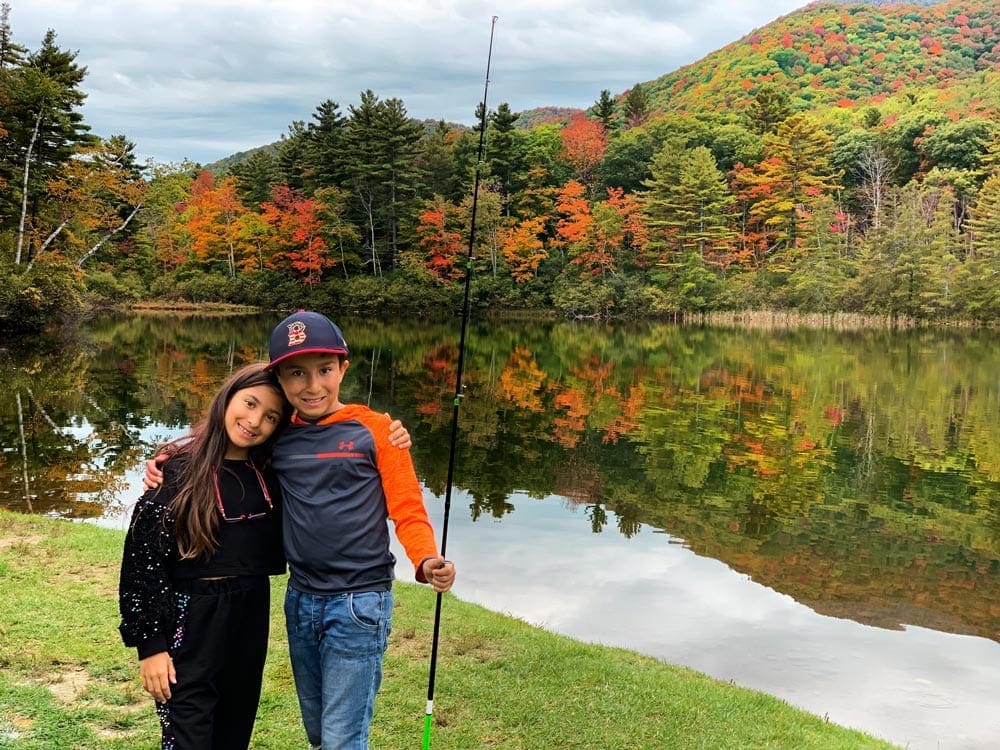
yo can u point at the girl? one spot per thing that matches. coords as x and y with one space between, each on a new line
194 593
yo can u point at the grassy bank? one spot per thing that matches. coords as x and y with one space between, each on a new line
67 682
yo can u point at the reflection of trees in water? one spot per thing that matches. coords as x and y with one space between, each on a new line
75 408
24 452
853 471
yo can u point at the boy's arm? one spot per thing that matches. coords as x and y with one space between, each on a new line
405 505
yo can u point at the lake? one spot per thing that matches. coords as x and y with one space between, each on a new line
814 513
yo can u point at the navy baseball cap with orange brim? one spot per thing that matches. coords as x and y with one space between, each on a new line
304 332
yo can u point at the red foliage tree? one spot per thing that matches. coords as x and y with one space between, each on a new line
584 142
296 231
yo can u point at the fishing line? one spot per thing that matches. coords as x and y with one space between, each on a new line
428 716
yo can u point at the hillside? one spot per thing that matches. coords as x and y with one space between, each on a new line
832 57
835 56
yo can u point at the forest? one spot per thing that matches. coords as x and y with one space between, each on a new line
843 158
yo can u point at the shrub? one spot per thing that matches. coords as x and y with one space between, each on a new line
49 292
104 286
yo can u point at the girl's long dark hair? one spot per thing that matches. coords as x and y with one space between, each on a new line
203 451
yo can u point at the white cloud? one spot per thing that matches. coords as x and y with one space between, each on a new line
204 79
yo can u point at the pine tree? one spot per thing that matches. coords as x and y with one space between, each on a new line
364 171
604 110
985 220
501 151
255 177
12 55
636 107
323 152
291 160
769 108
438 165
43 128
796 171
401 139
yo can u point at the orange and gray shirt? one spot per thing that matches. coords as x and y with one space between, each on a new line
341 481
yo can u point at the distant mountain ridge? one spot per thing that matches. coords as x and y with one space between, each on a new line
833 54
831 57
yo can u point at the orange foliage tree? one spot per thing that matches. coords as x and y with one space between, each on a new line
524 248
211 217
297 240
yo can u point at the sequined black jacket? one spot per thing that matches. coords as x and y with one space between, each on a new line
151 563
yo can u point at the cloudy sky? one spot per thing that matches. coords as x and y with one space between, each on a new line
202 79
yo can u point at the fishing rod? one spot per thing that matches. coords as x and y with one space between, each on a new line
429 714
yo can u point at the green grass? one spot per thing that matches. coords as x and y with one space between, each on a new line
67 682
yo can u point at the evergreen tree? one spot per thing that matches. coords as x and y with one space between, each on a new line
62 129
42 129
255 177
365 172
12 55
770 107
685 205
636 106
323 152
437 163
796 172
291 160
700 201
501 151
907 265
985 220
604 110
402 180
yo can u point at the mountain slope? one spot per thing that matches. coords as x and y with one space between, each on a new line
835 55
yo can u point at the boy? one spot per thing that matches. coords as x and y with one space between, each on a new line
341 481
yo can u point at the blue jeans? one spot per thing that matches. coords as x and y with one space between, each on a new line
336 645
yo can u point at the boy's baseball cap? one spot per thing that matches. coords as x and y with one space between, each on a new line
305 332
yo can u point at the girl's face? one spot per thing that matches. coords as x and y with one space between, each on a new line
251 417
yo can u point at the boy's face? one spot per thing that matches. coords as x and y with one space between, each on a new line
311 383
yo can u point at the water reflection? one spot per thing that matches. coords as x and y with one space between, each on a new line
920 688
852 477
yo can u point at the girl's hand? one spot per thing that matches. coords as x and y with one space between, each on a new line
398 435
153 477
157 672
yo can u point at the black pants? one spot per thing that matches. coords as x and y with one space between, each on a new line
218 652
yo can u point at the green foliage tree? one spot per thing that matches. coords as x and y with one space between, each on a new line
732 144
292 154
501 151
905 134
255 177
438 162
323 151
907 266
636 106
383 173
604 110
42 130
958 145
796 172
770 107
984 223
689 198
12 54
